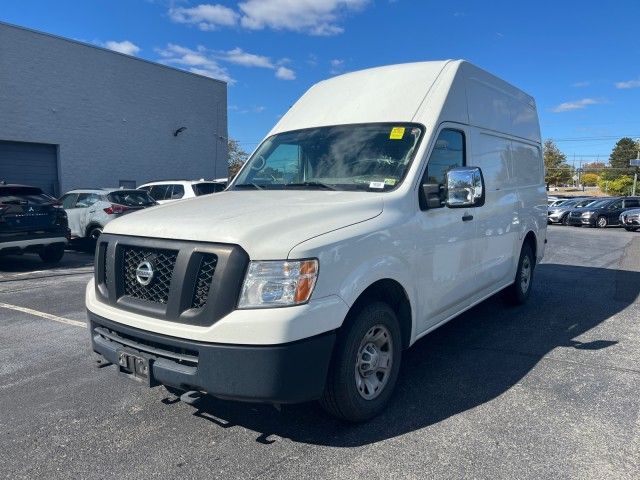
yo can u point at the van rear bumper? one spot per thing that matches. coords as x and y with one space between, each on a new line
288 373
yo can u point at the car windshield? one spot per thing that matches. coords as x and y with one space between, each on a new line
131 198
584 203
373 157
599 203
24 195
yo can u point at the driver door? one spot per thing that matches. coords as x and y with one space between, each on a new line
447 258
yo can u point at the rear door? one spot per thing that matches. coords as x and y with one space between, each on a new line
613 212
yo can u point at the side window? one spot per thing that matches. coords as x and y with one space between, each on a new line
177 192
448 152
69 201
84 200
631 203
159 192
615 205
284 165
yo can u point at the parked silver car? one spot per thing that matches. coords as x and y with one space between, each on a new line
630 219
559 212
89 210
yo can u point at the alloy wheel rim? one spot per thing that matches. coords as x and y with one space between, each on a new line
602 222
373 362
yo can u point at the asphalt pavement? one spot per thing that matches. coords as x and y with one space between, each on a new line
546 390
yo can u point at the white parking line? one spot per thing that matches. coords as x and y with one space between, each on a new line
47 316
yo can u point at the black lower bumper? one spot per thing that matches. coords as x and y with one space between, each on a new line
288 373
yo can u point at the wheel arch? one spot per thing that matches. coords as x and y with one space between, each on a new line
392 293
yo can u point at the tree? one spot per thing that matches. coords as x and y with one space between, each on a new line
620 186
593 166
590 179
624 150
555 164
236 157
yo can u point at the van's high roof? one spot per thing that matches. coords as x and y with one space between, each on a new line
423 92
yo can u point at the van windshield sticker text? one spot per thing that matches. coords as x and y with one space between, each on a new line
376 185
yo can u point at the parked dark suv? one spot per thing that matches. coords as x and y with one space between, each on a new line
32 222
603 213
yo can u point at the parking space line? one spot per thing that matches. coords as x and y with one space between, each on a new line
47 316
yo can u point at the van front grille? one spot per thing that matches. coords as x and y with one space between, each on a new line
162 263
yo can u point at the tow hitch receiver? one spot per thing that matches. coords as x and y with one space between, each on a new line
136 366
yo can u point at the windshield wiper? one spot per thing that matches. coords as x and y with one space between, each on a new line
248 185
311 184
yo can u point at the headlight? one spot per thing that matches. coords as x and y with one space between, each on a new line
278 283
587 214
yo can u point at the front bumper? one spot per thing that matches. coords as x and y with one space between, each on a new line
286 373
589 221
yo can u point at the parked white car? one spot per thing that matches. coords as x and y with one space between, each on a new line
89 210
630 219
383 204
170 190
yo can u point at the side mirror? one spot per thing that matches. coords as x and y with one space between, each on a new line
465 187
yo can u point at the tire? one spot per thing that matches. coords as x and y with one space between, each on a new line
602 222
631 229
365 364
52 253
94 233
565 220
518 292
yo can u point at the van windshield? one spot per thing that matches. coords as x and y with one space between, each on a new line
370 157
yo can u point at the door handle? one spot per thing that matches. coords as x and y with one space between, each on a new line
467 218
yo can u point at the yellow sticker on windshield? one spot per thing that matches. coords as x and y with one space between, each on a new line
396 133
390 181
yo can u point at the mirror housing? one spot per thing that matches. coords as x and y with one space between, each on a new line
431 196
465 188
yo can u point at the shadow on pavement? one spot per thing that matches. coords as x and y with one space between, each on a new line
30 262
471 360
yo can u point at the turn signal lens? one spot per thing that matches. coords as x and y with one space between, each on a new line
278 283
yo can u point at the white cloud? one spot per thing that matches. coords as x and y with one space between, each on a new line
315 17
581 84
628 84
198 61
577 105
337 66
240 57
126 47
284 73
206 16
207 62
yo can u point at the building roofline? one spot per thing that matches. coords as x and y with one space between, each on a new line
98 47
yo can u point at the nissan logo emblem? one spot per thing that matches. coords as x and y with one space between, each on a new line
144 273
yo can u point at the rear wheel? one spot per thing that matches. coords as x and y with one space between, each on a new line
365 365
94 234
52 253
602 222
518 292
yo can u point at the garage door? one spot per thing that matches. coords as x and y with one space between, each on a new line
30 164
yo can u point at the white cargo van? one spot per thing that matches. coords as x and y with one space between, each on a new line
383 204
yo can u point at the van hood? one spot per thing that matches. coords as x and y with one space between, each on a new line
267 224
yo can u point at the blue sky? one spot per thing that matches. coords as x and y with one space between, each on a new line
579 59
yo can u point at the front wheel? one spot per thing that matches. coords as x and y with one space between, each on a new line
365 365
565 220
602 222
52 253
518 292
